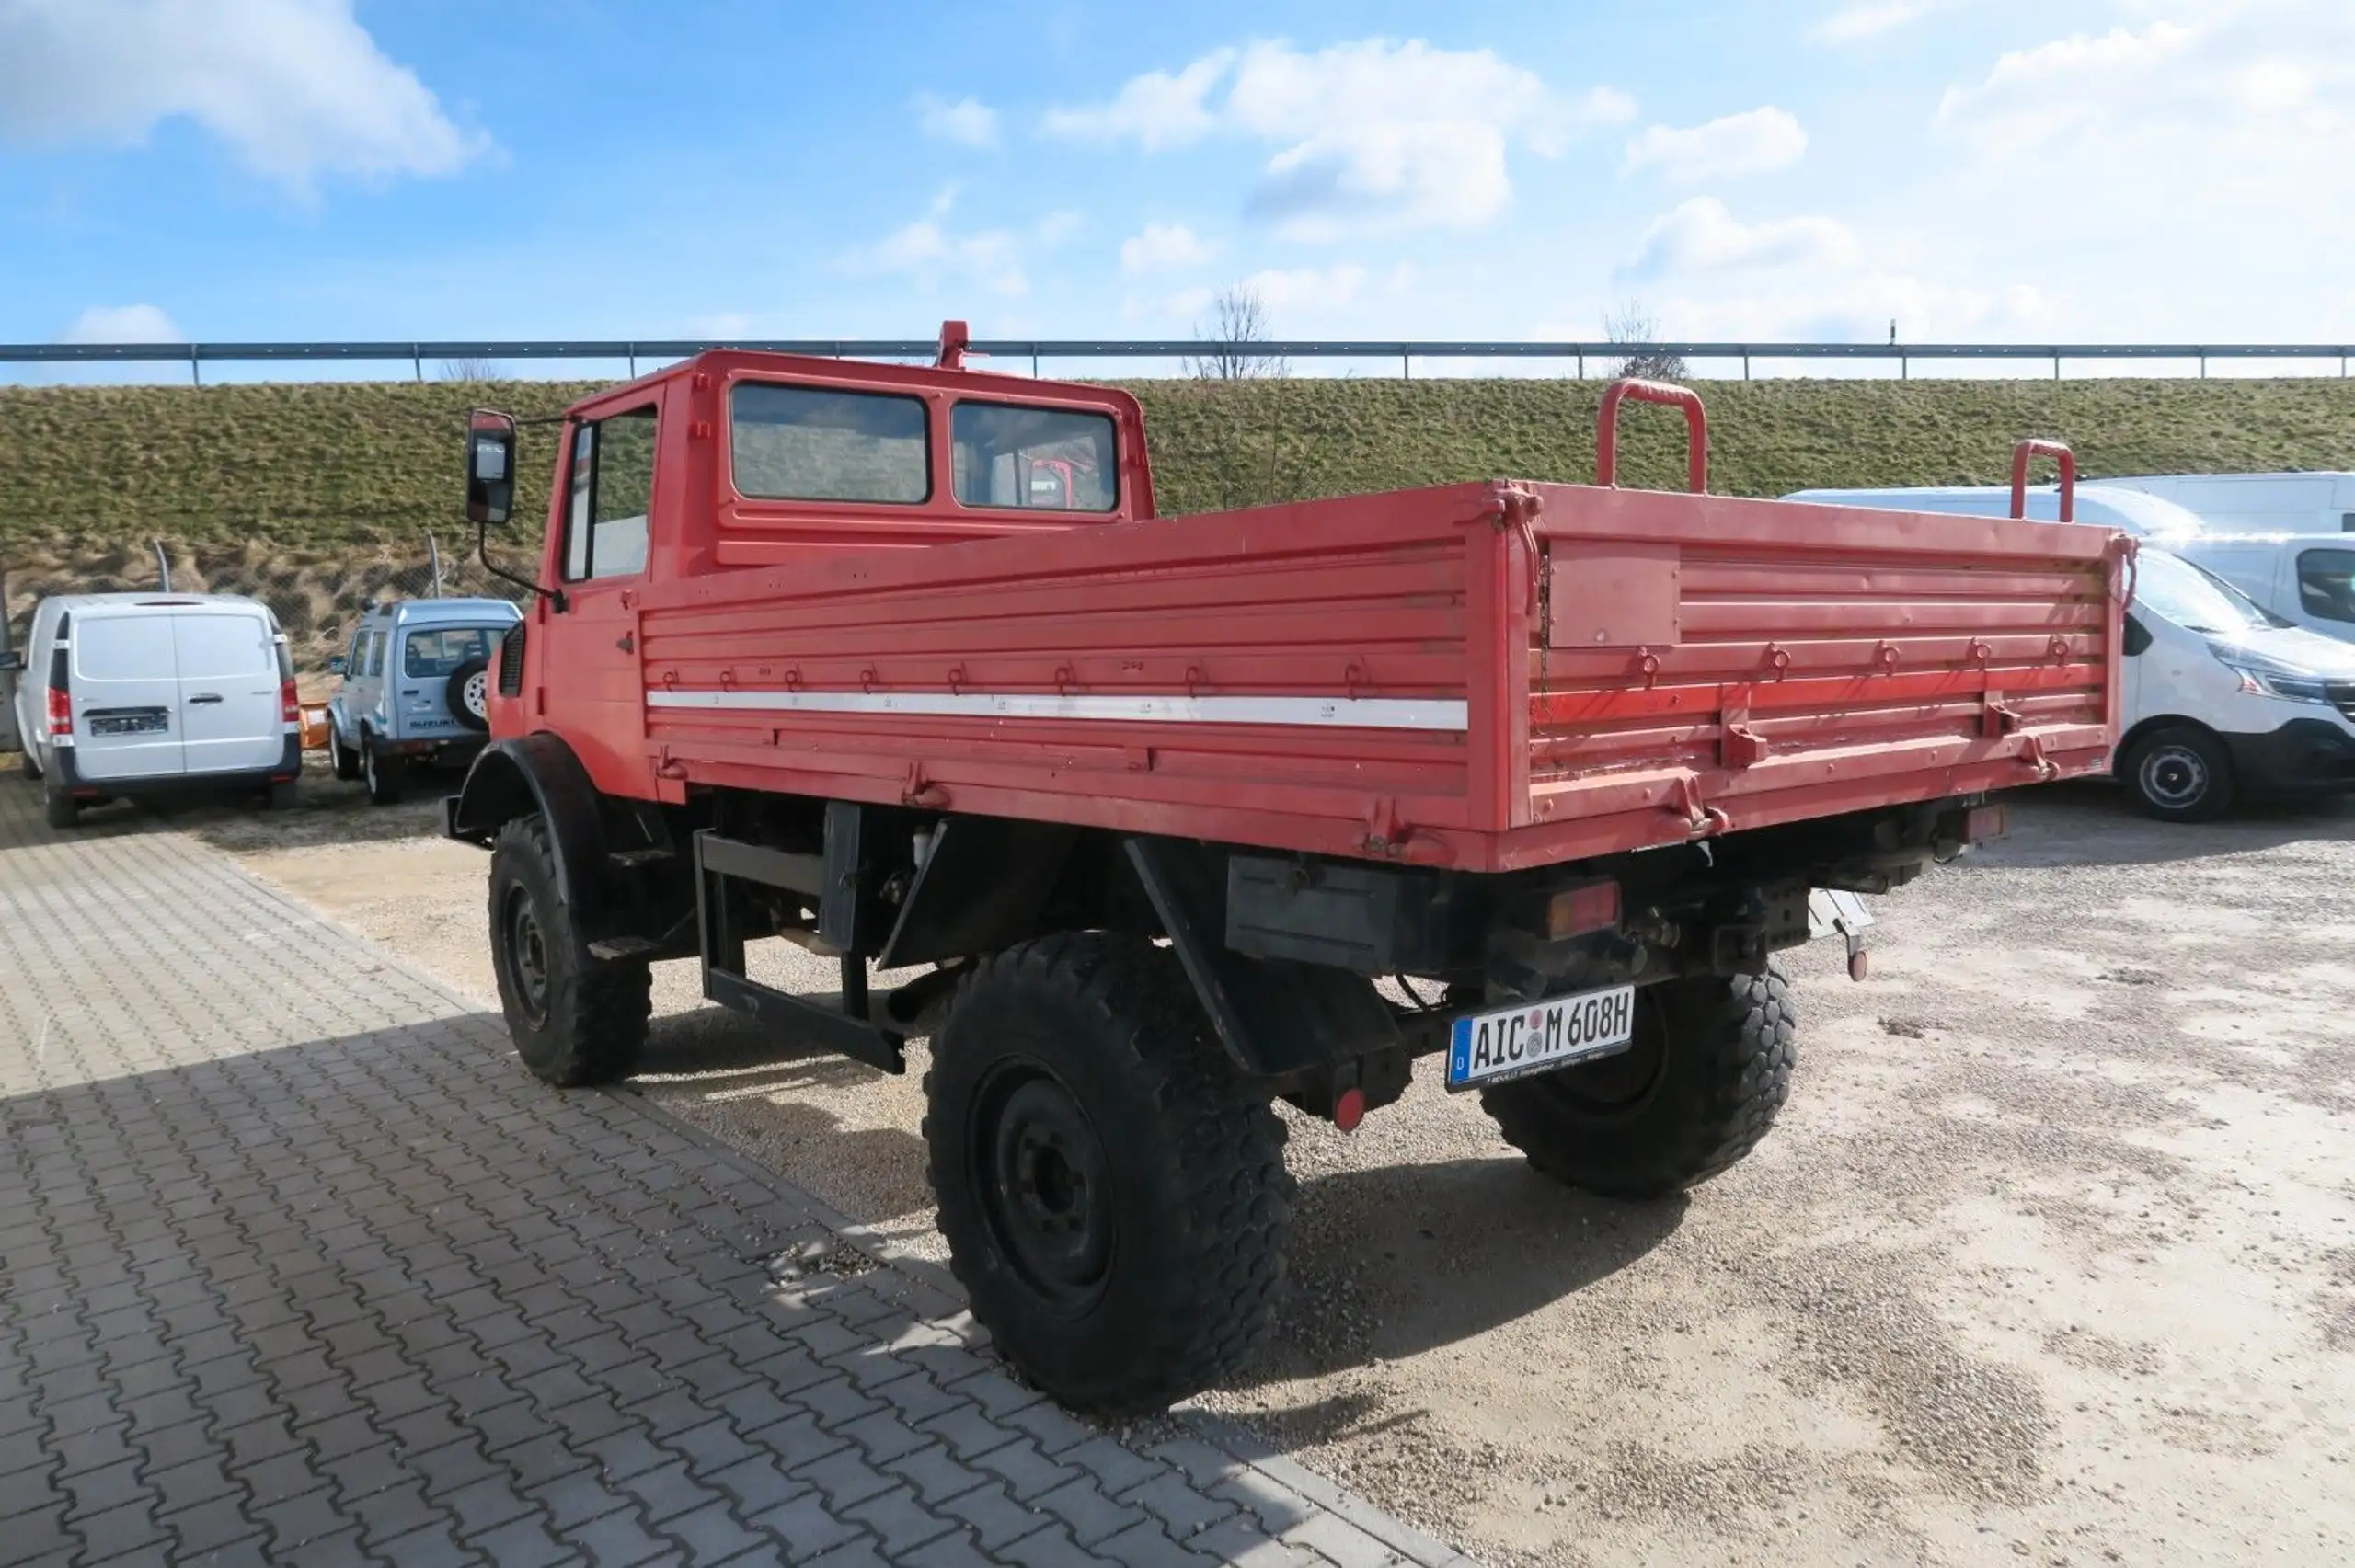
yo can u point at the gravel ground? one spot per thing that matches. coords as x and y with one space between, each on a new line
2050 1258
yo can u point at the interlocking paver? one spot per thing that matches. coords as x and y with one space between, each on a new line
306 1271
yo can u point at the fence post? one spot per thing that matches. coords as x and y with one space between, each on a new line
1406 367
2056 368
162 568
433 559
1581 367
416 357
1745 367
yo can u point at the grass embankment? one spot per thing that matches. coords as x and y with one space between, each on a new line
316 494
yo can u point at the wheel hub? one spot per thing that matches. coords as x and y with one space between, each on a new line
1043 1187
2174 775
527 957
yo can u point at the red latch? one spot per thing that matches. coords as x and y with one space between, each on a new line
1997 716
1739 746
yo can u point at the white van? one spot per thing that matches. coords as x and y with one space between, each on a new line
2222 699
2256 503
2306 579
2145 516
140 695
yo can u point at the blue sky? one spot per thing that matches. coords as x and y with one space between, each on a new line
2086 169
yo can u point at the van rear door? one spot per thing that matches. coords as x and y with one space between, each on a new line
232 719
124 679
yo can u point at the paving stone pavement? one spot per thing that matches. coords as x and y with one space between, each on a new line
302 1267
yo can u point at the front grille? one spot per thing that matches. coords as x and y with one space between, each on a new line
510 661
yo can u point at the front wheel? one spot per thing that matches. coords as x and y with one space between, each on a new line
2180 775
576 1019
1114 1198
1709 1067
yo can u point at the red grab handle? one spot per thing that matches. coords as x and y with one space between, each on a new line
1696 427
2028 449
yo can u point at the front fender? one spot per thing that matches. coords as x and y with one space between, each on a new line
538 774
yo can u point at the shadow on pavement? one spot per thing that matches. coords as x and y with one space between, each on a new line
2092 824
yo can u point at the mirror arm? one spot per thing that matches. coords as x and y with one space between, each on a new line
554 596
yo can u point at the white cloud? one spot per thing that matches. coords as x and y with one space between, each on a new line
929 252
1309 287
1371 135
1871 19
969 122
122 324
1752 143
1700 237
1155 110
296 87
1166 247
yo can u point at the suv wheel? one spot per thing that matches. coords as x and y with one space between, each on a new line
347 761
382 774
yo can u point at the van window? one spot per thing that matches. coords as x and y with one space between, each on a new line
613 492
1048 458
439 652
2327 584
123 647
376 652
212 646
802 443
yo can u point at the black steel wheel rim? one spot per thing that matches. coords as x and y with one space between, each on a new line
1040 1173
1620 1083
2175 776
526 951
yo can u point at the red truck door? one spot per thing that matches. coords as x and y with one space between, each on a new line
595 693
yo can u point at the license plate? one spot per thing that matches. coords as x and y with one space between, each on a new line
1539 1036
128 724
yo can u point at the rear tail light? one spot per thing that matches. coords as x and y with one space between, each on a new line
1985 822
290 706
60 711
1574 912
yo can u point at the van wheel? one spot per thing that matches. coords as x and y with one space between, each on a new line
346 761
1113 1195
1710 1067
382 774
2182 774
576 1019
64 811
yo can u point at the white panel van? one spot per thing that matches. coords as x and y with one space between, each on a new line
124 695
2256 503
2223 698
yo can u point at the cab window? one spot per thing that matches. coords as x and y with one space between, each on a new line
2327 584
806 443
1049 459
612 494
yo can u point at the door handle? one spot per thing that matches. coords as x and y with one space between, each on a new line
204 697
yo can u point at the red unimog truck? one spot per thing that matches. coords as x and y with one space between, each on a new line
1176 817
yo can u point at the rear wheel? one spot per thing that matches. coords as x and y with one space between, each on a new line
1710 1067
2182 774
380 772
1115 1200
63 810
576 1019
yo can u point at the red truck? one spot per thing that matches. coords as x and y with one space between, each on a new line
1160 819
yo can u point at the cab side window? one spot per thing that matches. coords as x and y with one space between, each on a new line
2327 584
612 492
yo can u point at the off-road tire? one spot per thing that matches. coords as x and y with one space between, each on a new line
63 810
454 695
345 759
1185 1189
2179 775
1710 1067
576 1019
382 774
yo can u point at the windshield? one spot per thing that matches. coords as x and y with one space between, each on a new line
2199 601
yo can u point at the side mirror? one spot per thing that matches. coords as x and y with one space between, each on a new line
490 466
339 665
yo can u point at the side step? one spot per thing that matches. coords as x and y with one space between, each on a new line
721 864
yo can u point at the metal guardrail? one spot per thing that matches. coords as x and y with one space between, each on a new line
1405 351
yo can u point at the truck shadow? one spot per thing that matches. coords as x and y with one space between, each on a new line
1389 1262
2092 824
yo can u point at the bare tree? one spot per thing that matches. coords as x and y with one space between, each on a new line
1239 319
1630 326
471 369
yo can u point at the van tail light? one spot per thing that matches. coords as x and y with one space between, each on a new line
60 711
290 706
